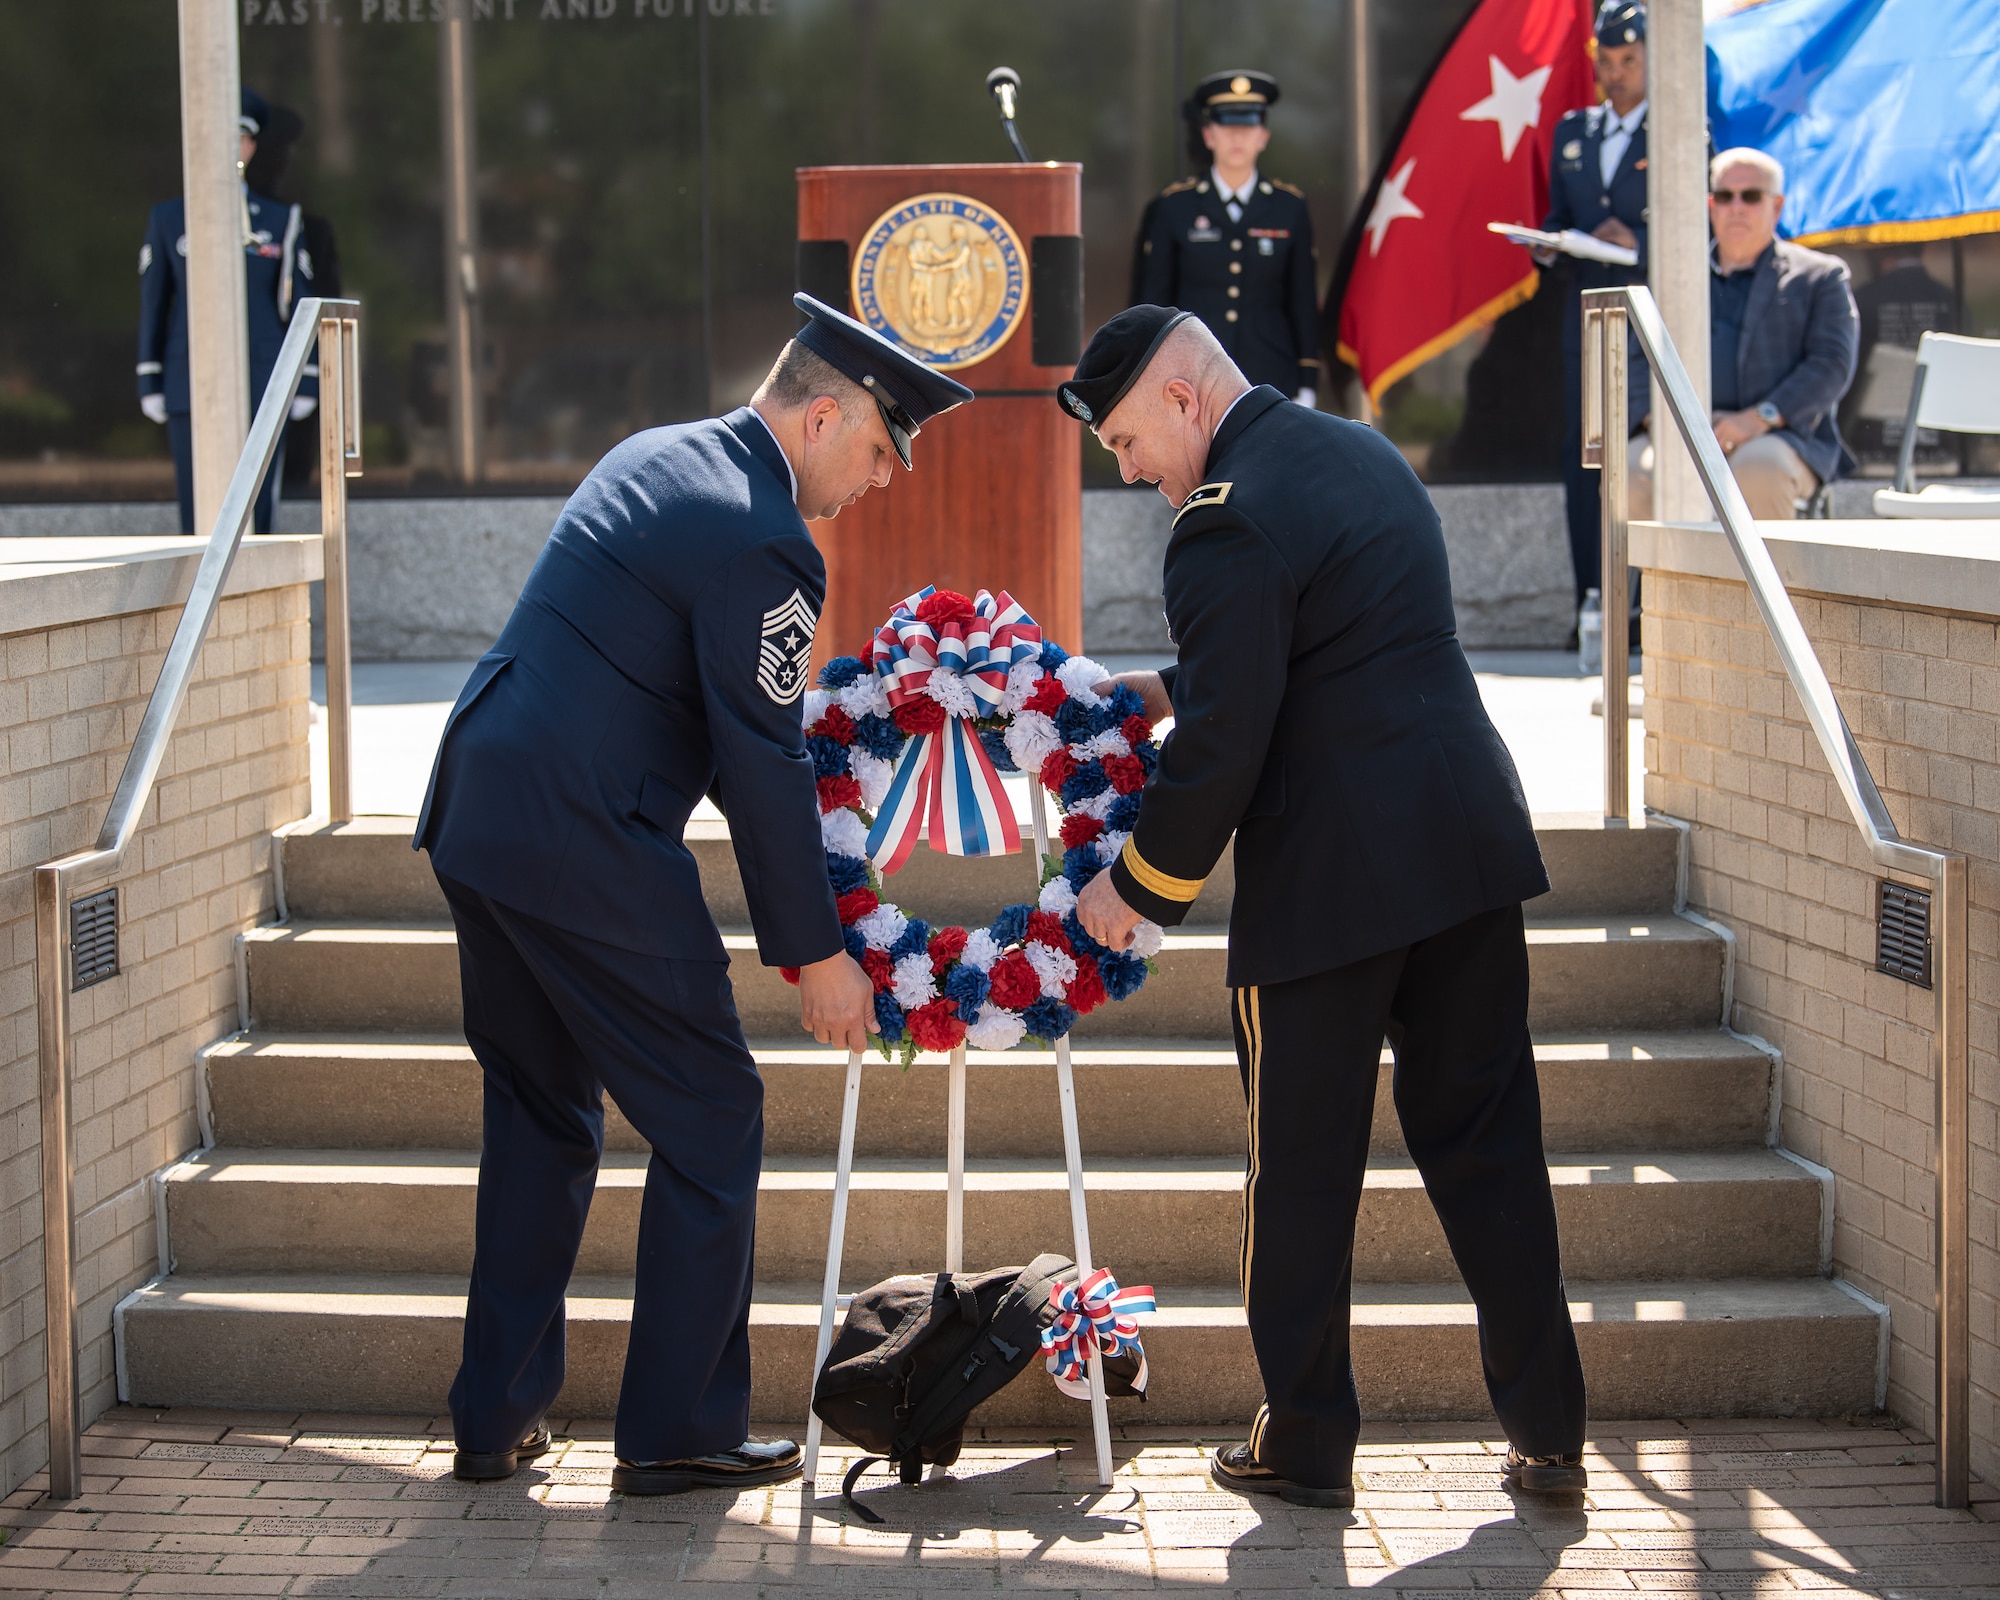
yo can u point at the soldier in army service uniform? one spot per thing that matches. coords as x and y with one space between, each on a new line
1233 246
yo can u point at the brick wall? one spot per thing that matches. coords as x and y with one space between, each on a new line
1775 857
70 702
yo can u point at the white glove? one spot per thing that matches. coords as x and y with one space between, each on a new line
303 406
155 407
1309 398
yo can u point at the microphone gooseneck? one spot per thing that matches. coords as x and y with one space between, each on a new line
1004 84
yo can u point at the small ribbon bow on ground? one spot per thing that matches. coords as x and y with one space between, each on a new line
944 663
1095 1315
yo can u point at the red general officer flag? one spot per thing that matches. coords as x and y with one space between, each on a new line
1420 270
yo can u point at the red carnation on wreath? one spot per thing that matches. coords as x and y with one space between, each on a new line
880 969
838 726
1137 730
1045 927
1080 830
838 792
935 1026
1015 984
855 904
1048 697
1125 773
1058 770
919 716
946 946
1086 990
790 975
945 607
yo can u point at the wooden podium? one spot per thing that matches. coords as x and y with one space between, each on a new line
978 270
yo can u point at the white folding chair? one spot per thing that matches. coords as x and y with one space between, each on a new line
954 1224
1955 389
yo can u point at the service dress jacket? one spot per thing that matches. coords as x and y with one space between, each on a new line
277 274
1251 281
661 647
1580 198
1323 710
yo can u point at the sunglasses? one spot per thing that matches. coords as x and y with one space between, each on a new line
1750 197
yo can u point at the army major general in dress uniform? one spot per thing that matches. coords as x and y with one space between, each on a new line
1598 186
278 273
1235 247
1326 717
659 652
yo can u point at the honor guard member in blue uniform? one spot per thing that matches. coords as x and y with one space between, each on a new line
1598 186
658 652
1326 717
1235 247
277 272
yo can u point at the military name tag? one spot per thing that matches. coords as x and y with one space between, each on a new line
1204 232
784 651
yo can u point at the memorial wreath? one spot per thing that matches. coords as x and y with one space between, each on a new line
954 692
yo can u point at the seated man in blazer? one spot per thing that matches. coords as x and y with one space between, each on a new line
1783 331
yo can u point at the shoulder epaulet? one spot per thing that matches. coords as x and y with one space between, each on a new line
1289 188
1178 188
1209 494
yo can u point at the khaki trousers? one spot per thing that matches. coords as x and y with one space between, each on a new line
1769 471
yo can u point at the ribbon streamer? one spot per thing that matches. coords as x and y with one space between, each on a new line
1095 1315
946 779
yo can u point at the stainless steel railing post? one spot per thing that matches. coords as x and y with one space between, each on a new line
55 879
1616 588
339 460
1886 846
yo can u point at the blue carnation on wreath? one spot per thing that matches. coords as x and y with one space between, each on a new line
1032 971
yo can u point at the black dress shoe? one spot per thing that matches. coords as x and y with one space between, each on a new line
753 1462
488 1466
1234 1467
1547 1474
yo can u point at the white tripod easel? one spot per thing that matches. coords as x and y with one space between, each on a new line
954 1223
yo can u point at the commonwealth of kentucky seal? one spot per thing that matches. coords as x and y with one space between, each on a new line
942 276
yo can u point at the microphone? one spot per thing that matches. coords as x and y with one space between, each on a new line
1004 84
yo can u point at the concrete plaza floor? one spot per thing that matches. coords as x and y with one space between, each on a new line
1535 697
219 1503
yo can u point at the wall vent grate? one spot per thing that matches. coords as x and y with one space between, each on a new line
93 938
1903 934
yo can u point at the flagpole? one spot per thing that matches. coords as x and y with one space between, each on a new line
1361 86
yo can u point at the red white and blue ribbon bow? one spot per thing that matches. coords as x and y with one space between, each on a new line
946 778
1094 1315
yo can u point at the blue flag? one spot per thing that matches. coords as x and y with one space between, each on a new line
1885 113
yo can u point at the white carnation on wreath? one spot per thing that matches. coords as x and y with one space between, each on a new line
1098 805
865 697
948 690
882 927
1080 676
816 702
1108 845
1022 679
1058 896
1147 938
874 775
996 1030
914 984
981 950
1056 968
1032 739
842 833
1108 743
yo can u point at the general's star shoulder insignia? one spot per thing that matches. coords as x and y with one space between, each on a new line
784 649
1209 494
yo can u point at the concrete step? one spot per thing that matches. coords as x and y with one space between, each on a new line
1650 972
1728 1214
390 1343
365 870
1628 1092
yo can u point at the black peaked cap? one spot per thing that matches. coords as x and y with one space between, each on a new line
1620 22
908 392
1118 352
1237 96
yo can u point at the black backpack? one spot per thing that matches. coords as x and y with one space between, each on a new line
915 1354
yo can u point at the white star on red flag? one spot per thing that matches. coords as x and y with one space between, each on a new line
1391 204
1515 104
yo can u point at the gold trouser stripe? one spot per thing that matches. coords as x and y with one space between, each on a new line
1257 1426
1153 880
1249 1013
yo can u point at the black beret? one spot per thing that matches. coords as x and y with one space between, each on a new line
908 392
1117 354
1620 22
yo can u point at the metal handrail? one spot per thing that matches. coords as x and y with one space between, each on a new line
1608 313
335 326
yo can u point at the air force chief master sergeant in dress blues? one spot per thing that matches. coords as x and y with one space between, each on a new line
659 651
1597 185
1325 716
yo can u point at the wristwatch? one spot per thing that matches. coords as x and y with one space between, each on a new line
1772 416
